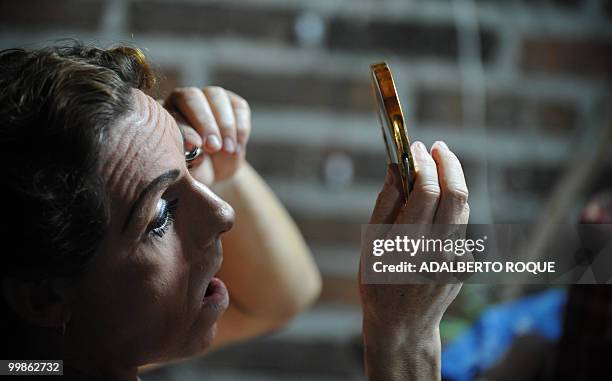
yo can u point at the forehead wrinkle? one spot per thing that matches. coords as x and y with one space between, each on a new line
135 141
141 157
140 117
118 168
175 128
133 117
169 127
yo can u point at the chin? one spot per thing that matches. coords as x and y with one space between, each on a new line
213 304
197 344
200 335
207 339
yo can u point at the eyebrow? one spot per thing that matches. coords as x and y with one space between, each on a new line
163 180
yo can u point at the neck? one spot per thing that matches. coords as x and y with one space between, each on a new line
79 364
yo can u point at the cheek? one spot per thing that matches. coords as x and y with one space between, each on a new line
140 301
159 286
165 274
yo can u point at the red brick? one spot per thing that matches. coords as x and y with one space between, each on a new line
509 111
283 160
589 58
503 110
404 38
536 181
276 160
306 90
560 117
439 106
180 18
43 14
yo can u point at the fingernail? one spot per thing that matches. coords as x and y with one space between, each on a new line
421 146
213 142
228 145
188 146
442 144
238 148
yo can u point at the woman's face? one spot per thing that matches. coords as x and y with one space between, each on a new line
150 292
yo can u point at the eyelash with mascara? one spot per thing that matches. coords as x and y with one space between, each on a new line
166 213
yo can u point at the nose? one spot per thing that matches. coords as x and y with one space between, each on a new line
212 216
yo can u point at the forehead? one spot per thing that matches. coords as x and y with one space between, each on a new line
140 147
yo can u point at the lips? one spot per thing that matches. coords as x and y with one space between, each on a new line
216 295
209 290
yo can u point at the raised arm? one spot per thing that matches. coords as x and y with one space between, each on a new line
267 266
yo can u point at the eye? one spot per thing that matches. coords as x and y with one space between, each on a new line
164 217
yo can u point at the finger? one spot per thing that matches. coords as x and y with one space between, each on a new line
224 115
453 189
387 205
242 114
389 199
193 105
423 200
191 138
465 215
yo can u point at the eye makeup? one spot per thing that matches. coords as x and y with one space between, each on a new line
164 217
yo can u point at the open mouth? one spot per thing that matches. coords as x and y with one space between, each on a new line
209 290
216 293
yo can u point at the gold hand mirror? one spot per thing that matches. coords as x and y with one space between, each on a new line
392 124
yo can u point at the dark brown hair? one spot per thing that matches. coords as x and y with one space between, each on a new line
56 106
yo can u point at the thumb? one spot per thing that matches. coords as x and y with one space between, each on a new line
389 199
191 138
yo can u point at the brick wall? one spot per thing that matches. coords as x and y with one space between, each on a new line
515 87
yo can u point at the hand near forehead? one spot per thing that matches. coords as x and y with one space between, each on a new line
218 121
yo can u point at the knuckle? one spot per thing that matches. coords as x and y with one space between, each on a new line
191 90
458 195
386 196
429 190
382 198
226 127
429 168
242 133
185 93
213 89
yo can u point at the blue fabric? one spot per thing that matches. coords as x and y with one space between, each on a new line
491 336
